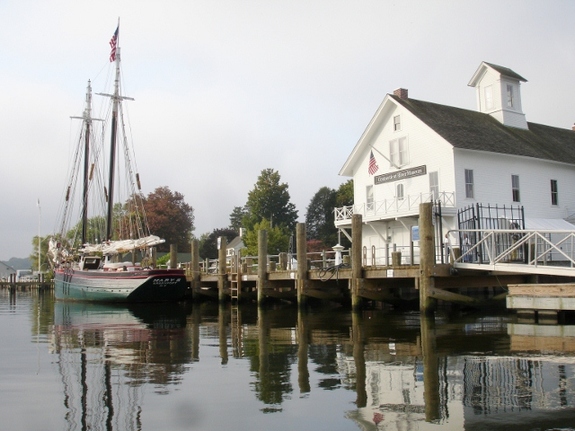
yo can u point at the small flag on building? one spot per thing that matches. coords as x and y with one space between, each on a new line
372 164
113 44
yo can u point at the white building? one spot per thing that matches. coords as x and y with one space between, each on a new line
414 151
6 271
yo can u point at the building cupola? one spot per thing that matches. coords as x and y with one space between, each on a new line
499 95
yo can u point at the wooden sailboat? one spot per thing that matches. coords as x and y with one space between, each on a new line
93 271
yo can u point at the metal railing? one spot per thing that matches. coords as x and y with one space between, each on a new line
531 248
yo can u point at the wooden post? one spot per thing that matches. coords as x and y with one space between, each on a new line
195 267
396 258
222 274
356 268
283 261
427 257
301 280
173 256
154 257
262 263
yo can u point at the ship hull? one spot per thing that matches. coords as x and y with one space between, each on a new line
155 285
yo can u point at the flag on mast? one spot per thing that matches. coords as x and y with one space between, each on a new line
373 168
114 43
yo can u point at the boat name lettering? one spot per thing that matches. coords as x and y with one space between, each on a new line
166 281
400 175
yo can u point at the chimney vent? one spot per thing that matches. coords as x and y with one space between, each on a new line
401 93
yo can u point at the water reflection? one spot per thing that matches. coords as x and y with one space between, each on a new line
106 353
372 370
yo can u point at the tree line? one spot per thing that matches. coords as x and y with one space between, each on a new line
268 207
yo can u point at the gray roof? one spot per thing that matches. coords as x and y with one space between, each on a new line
505 71
474 130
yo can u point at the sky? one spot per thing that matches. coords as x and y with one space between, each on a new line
225 89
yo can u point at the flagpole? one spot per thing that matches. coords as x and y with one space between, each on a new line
39 237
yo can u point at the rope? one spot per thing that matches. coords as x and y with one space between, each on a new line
332 270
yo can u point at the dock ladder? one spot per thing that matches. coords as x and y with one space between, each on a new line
235 281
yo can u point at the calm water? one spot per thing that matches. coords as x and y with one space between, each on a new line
78 366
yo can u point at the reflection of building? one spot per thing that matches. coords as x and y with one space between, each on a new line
395 390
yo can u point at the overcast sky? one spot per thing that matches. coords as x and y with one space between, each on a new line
225 89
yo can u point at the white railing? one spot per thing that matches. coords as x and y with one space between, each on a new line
530 248
394 206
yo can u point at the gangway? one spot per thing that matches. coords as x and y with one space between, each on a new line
522 251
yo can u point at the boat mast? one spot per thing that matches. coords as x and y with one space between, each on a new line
87 119
116 100
116 103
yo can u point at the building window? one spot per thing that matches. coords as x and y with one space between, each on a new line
434 185
369 197
488 97
396 123
509 96
399 192
515 188
398 154
554 193
469 184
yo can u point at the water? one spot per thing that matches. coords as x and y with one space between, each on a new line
73 366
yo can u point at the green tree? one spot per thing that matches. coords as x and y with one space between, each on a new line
270 200
209 247
319 217
345 194
95 232
278 241
236 218
44 264
169 217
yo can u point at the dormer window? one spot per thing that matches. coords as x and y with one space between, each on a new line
509 96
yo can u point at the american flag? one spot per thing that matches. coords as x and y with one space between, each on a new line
113 44
372 164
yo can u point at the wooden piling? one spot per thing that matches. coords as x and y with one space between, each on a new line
426 258
356 265
173 255
195 267
222 275
301 279
262 264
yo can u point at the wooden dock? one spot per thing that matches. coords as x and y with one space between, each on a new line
353 279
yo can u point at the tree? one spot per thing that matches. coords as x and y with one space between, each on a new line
345 194
169 217
270 200
236 218
44 264
319 217
278 241
209 246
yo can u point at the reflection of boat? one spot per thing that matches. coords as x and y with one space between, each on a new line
92 275
107 353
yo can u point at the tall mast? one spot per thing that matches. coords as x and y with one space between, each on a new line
116 103
87 119
116 100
